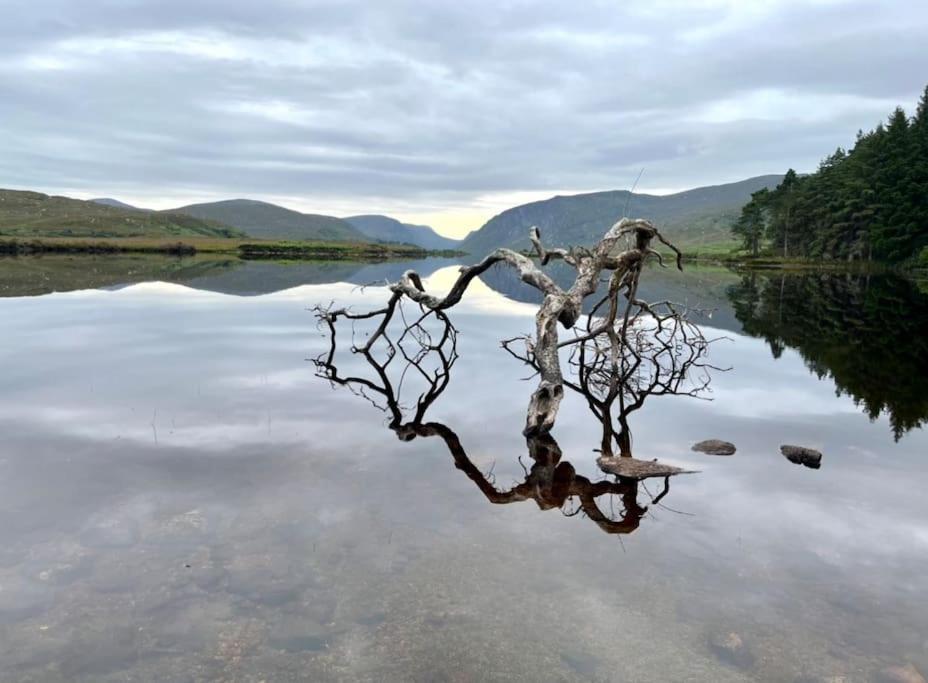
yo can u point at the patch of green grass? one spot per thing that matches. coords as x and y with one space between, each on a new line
326 250
26 215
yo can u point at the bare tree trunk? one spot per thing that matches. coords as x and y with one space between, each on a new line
558 306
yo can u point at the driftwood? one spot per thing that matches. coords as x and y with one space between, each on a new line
559 306
615 362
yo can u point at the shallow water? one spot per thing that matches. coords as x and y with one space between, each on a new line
184 500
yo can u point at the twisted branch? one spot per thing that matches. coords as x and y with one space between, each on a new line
559 306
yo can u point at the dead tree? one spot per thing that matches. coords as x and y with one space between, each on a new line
651 350
559 306
655 362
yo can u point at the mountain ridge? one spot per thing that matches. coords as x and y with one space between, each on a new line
387 229
691 218
698 215
270 221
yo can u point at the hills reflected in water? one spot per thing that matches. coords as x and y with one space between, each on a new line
38 275
864 332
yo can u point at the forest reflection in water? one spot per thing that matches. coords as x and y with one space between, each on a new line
865 332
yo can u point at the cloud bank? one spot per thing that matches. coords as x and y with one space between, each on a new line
437 111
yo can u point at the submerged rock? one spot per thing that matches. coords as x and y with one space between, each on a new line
730 648
900 674
715 447
801 455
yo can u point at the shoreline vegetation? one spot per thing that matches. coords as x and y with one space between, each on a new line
770 262
739 260
275 250
865 204
243 248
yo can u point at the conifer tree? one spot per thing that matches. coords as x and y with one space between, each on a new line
870 202
751 225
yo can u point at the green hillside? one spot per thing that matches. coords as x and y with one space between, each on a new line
692 219
269 221
33 214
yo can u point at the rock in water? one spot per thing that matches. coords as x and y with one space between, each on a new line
730 648
802 456
900 674
632 468
715 447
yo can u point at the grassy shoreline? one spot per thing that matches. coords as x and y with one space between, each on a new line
797 264
252 249
737 259
188 246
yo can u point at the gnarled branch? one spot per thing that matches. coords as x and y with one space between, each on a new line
558 306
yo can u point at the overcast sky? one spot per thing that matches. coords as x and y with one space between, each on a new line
438 112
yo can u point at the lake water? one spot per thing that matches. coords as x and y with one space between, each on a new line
184 499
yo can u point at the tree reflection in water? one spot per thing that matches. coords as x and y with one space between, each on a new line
865 332
664 355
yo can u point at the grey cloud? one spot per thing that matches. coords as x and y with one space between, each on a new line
436 104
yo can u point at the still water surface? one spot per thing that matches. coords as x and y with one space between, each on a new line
182 499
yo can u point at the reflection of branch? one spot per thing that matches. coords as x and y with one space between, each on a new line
445 348
651 350
550 481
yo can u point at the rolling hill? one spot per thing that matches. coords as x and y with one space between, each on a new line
386 229
33 214
692 218
269 221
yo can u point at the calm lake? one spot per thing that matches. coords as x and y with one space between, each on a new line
183 498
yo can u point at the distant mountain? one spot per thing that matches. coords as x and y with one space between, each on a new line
109 201
269 221
33 214
702 290
386 229
700 216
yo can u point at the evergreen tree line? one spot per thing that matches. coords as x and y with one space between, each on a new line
866 203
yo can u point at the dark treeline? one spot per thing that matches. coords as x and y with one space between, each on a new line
25 247
866 332
866 203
